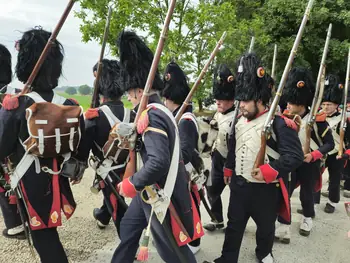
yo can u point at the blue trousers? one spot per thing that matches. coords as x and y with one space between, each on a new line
133 223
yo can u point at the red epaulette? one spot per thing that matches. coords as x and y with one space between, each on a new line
291 121
91 113
321 117
286 112
10 102
143 122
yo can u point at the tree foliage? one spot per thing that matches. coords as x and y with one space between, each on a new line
197 25
85 90
71 91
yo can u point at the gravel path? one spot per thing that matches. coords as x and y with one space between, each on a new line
85 243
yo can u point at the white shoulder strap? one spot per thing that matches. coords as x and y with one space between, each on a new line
112 119
57 99
126 115
35 96
190 115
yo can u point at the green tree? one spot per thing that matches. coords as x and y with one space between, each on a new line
194 31
71 90
85 90
282 20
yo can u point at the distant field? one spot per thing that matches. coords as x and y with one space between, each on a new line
85 101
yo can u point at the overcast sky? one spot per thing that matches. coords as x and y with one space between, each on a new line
17 16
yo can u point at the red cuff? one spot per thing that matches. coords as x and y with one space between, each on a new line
228 172
268 173
316 155
128 188
347 152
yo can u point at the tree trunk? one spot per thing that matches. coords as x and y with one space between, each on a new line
200 105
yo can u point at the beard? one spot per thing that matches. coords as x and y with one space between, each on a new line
250 115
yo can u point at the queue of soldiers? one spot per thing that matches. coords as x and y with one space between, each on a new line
168 154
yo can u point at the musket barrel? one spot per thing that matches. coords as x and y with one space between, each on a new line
200 77
155 62
343 116
273 74
47 48
95 100
288 66
251 47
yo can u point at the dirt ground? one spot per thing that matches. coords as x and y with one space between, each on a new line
85 243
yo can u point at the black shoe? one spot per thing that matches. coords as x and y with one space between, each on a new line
329 208
100 224
300 211
20 236
213 226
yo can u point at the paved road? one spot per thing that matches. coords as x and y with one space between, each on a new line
84 243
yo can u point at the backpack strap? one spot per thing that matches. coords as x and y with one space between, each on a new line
126 115
190 116
56 99
112 119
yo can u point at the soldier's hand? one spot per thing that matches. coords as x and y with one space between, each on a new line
120 189
227 180
343 157
308 158
257 174
73 182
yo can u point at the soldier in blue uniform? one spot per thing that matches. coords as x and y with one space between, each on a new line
14 227
332 98
223 90
98 124
257 193
298 93
175 92
45 194
158 149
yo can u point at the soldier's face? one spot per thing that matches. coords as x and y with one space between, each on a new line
295 109
249 109
224 105
134 96
329 107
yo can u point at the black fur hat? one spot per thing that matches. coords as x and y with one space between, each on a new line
299 87
252 82
223 83
5 67
109 85
136 60
175 84
30 47
333 90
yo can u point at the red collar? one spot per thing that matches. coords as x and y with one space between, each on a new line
258 115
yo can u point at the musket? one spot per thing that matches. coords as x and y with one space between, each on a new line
47 48
266 132
273 70
155 62
199 79
343 122
251 47
95 98
237 103
318 93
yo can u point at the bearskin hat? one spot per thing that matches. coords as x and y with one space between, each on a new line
251 81
299 88
109 85
333 90
175 84
30 47
5 67
223 83
136 60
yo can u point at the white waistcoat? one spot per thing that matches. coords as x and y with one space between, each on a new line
333 124
224 124
248 141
